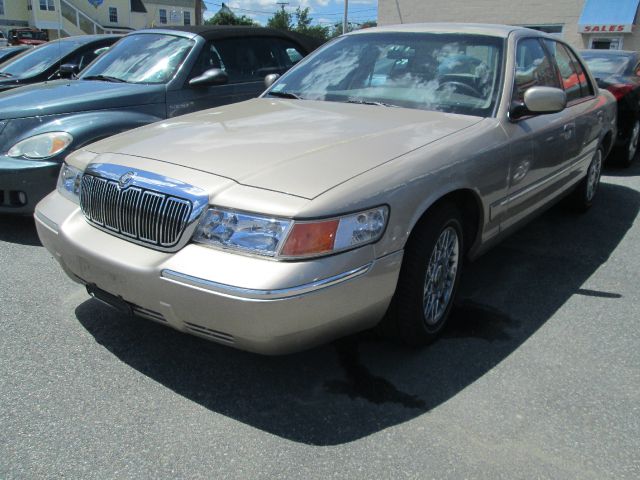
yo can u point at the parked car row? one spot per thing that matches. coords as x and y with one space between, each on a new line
347 196
147 76
7 53
619 72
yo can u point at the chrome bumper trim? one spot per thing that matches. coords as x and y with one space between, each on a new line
249 294
47 222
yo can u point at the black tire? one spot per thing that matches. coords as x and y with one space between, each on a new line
584 193
627 154
406 319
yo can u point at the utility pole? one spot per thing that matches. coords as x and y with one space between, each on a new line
345 23
282 4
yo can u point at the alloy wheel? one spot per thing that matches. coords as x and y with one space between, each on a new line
633 141
593 176
441 275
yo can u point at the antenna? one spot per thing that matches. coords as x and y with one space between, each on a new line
399 13
345 22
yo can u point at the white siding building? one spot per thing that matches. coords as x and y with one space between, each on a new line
582 23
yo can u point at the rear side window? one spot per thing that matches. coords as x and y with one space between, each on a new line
533 68
568 74
585 85
251 59
574 79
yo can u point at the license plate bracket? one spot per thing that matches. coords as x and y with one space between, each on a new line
109 299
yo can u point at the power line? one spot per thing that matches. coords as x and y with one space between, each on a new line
329 14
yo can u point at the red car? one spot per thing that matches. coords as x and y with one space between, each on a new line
619 72
27 36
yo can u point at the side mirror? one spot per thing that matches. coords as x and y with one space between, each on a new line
211 77
540 101
271 79
68 70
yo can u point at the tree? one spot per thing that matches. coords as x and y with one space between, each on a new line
303 25
281 20
225 16
300 22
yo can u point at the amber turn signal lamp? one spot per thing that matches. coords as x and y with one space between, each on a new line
311 238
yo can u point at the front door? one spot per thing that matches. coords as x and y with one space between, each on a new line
539 142
246 61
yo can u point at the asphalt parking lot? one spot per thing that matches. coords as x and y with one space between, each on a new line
538 375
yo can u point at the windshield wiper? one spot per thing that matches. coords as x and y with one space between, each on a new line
282 94
105 78
5 74
371 102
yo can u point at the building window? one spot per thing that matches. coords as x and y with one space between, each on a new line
611 43
29 5
554 30
47 5
1 7
113 14
187 18
163 15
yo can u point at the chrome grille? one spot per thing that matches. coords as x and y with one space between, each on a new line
144 215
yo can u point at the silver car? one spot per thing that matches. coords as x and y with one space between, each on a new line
348 195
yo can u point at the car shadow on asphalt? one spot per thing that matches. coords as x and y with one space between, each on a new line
18 229
360 385
614 170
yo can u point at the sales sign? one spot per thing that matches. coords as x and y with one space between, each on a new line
606 28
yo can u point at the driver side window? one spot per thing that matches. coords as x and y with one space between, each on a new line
209 58
533 68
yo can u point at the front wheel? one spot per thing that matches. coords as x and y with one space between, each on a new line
429 278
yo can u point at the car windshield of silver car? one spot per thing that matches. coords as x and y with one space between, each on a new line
445 72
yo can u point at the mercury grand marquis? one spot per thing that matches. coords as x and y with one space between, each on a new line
347 196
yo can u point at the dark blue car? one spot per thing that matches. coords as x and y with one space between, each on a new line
149 75
45 62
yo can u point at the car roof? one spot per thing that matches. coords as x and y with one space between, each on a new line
213 32
83 39
598 51
494 30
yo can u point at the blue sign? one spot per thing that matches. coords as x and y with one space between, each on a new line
96 3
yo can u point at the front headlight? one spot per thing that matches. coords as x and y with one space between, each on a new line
41 146
243 231
69 182
288 238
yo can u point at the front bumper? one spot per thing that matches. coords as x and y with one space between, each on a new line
250 303
23 183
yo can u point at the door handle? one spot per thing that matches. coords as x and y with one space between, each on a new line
600 116
568 130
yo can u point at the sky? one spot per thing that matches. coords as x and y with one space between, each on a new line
324 12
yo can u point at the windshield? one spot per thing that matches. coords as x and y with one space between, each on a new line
30 35
142 58
38 60
445 72
606 64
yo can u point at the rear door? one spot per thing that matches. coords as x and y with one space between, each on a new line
585 119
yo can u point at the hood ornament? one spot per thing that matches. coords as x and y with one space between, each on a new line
125 180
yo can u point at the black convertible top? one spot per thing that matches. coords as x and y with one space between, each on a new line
213 32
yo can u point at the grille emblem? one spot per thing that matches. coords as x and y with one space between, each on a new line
125 180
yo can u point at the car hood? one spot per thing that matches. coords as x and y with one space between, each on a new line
68 96
12 82
301 148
